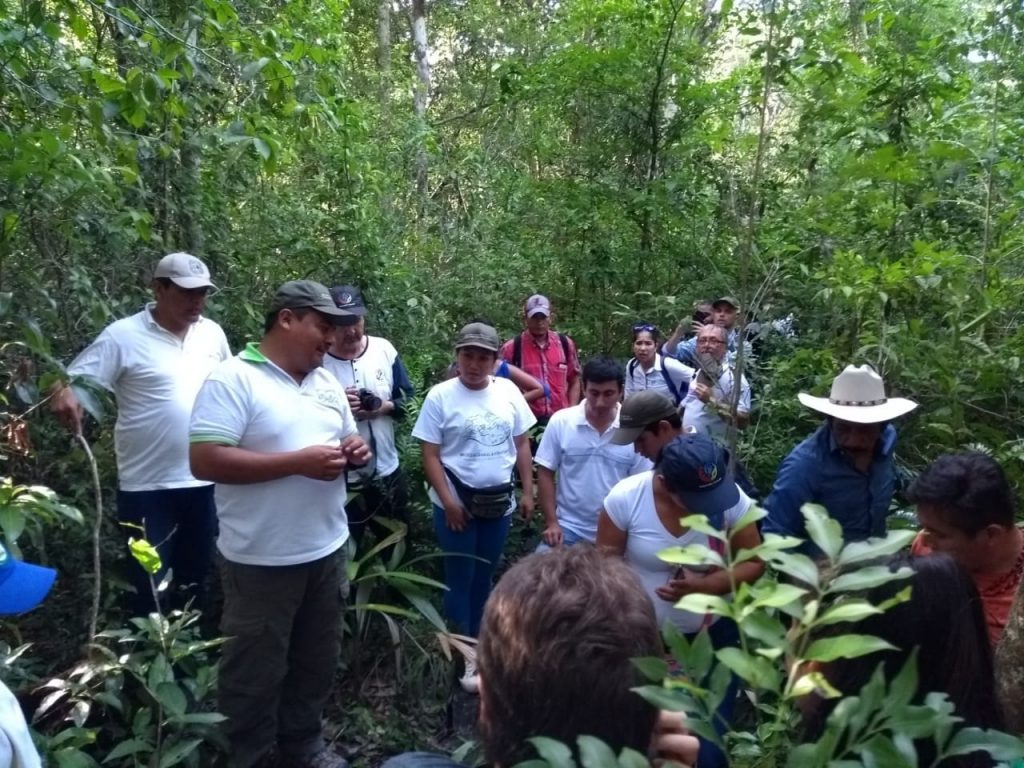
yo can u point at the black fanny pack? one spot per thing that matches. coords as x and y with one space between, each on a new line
485 503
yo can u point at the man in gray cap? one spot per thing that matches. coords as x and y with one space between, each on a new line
649 420
154 363
274 431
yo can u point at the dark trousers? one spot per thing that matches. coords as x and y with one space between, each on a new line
182 524
277 670
469 578
380 497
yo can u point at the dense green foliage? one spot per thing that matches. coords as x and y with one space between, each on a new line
855 164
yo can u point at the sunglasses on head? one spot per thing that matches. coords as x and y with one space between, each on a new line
641 327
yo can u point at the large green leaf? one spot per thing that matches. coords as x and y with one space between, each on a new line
845 647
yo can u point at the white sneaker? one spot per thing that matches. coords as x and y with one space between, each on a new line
470 680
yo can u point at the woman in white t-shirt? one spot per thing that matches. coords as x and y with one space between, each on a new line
641 517
651 370
473 430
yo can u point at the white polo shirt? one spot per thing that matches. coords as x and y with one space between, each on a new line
705 420
476 429
587 464
251 403
154 376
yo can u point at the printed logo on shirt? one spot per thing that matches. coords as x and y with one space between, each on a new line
487 429
329 397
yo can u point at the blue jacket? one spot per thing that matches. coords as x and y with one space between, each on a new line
818 472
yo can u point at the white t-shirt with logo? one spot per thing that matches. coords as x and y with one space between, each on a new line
154 376
372 370
587 464
630 507
476 429
703 418
251 403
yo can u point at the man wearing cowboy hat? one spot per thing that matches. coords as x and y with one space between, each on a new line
846 465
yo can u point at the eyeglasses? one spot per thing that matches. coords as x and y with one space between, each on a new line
642 327
712 342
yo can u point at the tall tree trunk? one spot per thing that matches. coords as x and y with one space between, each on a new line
384 48
421 94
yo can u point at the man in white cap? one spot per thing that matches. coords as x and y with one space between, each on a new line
847 465
154 363
548 356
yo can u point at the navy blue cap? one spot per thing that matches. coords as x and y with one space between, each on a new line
696 469
349 298
22 586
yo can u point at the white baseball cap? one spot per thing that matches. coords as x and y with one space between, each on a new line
184 270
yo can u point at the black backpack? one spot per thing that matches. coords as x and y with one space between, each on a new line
517 349
664 374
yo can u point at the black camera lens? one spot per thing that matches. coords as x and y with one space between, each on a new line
369 401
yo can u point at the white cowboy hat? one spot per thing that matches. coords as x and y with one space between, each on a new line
858 395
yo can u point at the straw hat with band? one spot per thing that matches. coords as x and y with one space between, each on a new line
858 396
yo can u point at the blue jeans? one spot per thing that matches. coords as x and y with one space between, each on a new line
468 579
182 524
723 634
568 539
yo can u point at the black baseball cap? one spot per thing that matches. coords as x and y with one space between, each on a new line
349 298
638 412
696 469
307 294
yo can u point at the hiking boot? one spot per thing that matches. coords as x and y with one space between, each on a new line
325 758
470 680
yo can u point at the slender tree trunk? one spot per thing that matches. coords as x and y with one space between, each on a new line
384 48
421 94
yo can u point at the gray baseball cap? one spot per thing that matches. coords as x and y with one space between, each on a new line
478 335
307 294
638 412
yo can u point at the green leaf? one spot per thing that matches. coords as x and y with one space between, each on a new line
201 718
776 595
261 147
868 578
1000 746
654 668
873 549
845 647
797 566
171 698
756 670
751 516
630 758
825 532
175 752
701 603
145 554
594 753
557 754
853 610
253 68
701 524
128 747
